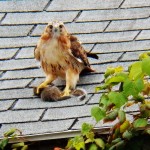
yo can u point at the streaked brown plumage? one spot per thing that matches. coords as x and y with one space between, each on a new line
61 55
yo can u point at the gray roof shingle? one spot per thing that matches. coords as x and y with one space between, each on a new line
118 31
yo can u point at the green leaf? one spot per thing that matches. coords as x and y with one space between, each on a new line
25 147
146 66
141 122
133 87
115 80
104 100
10 132
109 71
112 70
128 88
144 55
121 116
116 140
3 143
127 135
90 135
139 85
93 147
117 98
135 70
21 144
98 113
148 131
70 143
100 143
124 126
103 87
78 143
88 141
111 115
145 110
118 145
86 128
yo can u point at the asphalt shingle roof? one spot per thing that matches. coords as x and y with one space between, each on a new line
117 30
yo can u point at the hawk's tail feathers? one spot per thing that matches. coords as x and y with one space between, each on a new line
92 55
87 70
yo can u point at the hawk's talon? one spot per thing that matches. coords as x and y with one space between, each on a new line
66 93
40 88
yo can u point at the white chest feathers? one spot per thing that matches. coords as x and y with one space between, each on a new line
52 51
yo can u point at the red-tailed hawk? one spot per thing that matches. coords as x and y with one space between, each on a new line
61 55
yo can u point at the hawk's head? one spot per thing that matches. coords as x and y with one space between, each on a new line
56 29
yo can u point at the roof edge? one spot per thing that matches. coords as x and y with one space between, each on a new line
55 135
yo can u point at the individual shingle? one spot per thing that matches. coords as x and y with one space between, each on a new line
132 108
38 81
1 15
38 103
68 112
17 74
145 34
122 47
101 68
26 53
13 42
86 27
35 127
107 37
1 73
12 31
88 47
90 89
131 56
92 121
90 79
115 14
20 116
5 105
60 5
80 121
18 64
105 58
39 17
38 30
19 6
16 93
124 25
9 84
135 3
7 53
95 99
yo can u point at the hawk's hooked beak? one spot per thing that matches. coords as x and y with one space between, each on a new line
55 30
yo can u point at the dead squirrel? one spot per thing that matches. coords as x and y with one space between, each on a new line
53 93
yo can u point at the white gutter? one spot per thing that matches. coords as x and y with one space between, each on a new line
55 135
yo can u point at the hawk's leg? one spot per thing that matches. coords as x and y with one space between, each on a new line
49 80
71 82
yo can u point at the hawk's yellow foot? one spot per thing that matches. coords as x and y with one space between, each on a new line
66 93
41 86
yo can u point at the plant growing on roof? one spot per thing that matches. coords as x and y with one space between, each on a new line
13 134
122 89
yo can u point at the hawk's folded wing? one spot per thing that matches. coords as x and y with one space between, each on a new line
79 52
37 53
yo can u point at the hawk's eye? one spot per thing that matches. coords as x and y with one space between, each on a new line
50 26
60 26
